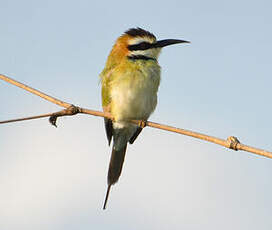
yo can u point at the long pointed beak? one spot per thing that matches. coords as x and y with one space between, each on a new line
167 42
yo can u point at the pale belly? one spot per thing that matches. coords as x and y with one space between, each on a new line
134 99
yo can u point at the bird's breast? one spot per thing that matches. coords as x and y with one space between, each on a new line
134 91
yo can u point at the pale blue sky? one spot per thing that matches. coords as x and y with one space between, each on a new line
220 84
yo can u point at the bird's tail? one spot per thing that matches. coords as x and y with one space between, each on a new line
115 167
107 196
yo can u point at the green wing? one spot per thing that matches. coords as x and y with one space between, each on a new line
106 100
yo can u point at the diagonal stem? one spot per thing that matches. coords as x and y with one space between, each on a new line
231 142
35 91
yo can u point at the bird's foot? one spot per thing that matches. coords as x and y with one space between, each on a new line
142 123
72 110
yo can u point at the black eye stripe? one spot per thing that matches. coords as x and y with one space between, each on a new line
140 46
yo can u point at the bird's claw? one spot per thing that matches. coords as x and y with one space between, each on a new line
142 123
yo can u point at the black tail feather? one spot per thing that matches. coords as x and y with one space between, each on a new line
107 196
115 168
116 164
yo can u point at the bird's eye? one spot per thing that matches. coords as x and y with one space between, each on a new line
140 46
144 45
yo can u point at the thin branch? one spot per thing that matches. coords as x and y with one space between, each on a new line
231 142
35 91
27 118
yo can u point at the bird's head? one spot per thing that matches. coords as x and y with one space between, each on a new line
137 42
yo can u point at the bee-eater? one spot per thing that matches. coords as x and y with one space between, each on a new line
130 82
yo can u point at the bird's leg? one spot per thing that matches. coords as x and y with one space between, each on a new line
72 110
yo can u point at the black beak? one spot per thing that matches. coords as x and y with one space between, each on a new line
167 42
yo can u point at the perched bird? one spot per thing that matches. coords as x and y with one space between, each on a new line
130 82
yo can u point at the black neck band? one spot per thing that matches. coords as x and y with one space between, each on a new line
140 57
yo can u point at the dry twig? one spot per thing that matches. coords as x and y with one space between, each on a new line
231 142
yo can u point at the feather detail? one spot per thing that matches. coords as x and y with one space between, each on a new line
115 168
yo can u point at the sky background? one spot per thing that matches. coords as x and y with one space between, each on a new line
220 85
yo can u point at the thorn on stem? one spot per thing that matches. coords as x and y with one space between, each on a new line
233 142
72 110
53 120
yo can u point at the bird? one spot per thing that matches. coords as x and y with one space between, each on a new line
129 86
